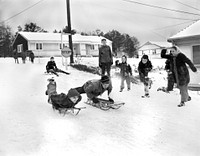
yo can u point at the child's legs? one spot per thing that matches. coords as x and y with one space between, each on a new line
146 88
184 93
122 83
128 82
108 68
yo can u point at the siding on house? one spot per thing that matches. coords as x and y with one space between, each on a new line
50 43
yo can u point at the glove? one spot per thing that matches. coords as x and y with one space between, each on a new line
111 100
46 93
95 100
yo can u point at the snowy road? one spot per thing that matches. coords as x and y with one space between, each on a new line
154 126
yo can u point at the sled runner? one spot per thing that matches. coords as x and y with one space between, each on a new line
64 111
105 104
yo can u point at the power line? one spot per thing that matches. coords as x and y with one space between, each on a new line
187 5
146 14
154 6
171 25
21 11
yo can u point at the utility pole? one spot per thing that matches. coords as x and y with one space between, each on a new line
69 30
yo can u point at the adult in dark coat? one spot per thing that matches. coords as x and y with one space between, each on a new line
32 56
182 74
105 58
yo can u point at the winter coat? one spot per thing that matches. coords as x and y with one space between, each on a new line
15 55
94 88
181 70
51 88
169 64
63 101
32 56
144 69
51 65
105 55
125 69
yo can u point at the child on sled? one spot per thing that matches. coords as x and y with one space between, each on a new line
65 101
144 68
61 101
125 72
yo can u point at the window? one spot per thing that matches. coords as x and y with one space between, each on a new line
19 48
92 47
64 45
196 54
38 46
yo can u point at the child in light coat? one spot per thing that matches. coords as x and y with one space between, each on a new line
125 72
51 88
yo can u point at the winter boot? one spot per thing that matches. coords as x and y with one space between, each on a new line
189 98
146 95
181 104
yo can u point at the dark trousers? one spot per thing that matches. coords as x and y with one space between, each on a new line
105 67
170 82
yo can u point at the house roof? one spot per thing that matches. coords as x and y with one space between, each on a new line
190 31
56 37
155 45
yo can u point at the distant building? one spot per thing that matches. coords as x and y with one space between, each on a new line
49 44
152 49
188 40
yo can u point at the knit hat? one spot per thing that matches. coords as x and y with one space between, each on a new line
105 79
145 57
72 93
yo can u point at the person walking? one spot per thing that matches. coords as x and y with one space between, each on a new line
32 56
182 75
15 56
105 58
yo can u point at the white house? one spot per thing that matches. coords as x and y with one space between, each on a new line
49 44
188 40
153 49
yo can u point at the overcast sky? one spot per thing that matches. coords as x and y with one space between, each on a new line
145 23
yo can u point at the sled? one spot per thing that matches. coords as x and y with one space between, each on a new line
65 111
105 104
194 87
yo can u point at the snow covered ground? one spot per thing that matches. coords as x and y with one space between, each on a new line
153 126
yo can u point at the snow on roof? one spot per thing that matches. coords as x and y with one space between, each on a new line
191 30
157 44
56 37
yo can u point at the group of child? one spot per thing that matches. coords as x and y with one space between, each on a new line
94 88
